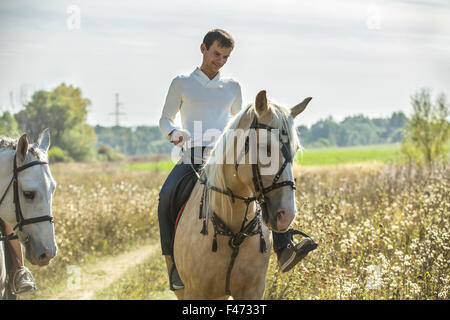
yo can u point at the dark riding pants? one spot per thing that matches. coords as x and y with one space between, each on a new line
167 213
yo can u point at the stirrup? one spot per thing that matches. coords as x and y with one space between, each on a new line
293 232
291 243
14 289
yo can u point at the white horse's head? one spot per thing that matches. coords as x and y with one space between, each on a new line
271 181
280 209
35 191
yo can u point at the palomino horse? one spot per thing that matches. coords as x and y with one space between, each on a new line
26 191
232 259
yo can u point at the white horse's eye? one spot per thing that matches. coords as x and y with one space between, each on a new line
29 194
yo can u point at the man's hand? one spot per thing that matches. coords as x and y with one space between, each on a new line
178 137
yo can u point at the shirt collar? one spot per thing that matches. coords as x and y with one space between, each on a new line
200 76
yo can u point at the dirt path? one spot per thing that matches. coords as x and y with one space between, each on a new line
94 277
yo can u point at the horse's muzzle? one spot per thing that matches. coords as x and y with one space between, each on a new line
41 258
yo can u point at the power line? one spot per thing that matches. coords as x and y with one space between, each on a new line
117 112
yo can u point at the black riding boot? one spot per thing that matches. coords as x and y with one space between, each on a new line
174 194
288 253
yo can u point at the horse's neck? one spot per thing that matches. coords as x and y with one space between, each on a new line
233 213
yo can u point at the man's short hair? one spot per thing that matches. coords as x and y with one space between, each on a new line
224 38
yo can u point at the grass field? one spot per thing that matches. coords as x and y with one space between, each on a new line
383 232
334 156
160 166
310 157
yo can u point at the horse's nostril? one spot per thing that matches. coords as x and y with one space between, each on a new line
284 219
43 256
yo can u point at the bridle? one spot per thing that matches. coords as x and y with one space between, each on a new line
21 221
260 197
261 192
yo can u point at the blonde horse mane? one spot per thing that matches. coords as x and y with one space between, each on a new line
281 119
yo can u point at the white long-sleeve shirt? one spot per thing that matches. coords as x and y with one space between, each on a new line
205 106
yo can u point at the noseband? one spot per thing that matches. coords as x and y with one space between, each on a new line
21 221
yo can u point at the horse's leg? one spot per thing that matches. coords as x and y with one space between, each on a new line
195 295
189 295
251 292
179 294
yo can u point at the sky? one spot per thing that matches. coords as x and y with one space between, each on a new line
351 56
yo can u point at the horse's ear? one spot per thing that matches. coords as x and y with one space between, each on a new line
261 103
44 140
22 148
295 111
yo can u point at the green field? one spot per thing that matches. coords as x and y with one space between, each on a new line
160 166
310 157
333 156
382 234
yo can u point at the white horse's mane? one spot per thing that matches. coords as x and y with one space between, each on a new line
10 143
214 171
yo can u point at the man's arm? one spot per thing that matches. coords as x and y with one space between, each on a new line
171 108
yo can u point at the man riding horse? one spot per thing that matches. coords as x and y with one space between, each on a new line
206 98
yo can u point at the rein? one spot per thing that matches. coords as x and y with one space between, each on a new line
21 221
261 199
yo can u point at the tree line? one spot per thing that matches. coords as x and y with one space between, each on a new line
133 141
353 131
64 110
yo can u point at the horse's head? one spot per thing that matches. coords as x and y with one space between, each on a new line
35 191
269 160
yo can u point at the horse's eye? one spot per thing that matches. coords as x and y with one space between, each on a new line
29 194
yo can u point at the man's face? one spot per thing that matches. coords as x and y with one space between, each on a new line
216 57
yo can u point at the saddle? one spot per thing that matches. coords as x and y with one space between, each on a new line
181 194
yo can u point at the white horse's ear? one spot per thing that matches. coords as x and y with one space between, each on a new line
261 103
295 111
22 148
44 140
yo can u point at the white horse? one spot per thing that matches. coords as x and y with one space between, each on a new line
26 191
